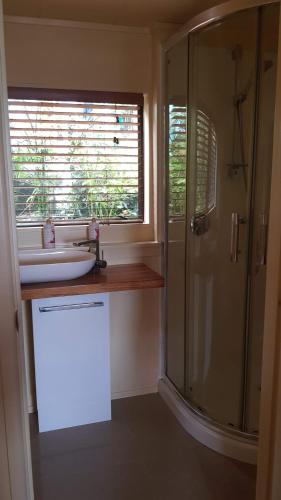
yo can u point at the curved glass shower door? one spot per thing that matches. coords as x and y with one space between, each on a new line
221 97
220 103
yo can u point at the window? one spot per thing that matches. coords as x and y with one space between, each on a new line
77 154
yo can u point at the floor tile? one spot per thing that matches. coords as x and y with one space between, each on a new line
143 453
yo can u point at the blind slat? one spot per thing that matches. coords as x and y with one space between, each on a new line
68 194
65 146
64 138
100 164
83 186
89 131
70 114
54 202
58 105
97 155
78 122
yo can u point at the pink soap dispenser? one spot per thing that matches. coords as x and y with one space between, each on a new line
94 230
49 234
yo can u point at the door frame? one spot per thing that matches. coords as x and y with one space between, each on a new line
269 454
5 487
15 455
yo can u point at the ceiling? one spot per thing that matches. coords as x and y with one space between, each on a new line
124 12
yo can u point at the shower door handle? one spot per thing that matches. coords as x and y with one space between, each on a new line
236 220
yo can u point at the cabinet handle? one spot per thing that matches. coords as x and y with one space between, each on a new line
67 307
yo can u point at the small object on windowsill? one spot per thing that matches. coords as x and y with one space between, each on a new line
49 234
124 215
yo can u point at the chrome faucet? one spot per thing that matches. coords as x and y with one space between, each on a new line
94 247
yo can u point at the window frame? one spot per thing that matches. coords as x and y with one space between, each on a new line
108 97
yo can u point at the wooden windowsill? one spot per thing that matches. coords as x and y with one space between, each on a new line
113 279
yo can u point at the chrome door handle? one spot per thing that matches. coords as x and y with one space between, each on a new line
236 220
262 241
68 307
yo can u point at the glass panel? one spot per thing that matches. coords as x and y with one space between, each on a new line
221 98
176 212
261 196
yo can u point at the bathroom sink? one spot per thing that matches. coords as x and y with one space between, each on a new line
54 265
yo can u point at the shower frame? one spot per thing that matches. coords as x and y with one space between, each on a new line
238 443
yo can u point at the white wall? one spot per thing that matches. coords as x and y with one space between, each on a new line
84 56
97 57
77 55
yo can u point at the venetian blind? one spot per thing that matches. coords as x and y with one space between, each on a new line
76 155
205 164
177 160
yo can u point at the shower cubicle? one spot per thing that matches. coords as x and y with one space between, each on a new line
220 75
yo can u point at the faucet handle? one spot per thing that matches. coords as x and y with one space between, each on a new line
85 243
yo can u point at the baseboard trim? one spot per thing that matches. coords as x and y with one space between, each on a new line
140 391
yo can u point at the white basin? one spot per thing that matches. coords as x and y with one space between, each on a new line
54 265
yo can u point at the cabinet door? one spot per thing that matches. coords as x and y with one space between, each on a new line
72 364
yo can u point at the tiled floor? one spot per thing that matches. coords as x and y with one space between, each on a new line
142 454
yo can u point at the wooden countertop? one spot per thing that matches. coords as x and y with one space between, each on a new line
113 279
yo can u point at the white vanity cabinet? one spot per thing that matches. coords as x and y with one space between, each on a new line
72 360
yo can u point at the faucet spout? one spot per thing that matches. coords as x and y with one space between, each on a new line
94 246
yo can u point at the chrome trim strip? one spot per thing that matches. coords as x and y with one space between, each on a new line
211 15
